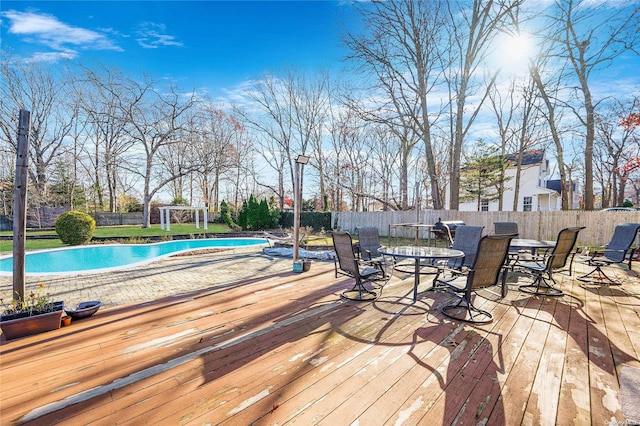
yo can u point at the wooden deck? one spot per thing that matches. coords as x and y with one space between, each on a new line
288 350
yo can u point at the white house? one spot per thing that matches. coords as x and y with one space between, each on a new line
537 192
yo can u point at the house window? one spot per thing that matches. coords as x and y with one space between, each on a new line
484 205
527 204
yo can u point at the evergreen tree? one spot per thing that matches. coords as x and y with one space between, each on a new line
263 216
259 215
274 213
243 216
225 214
481 177
253 213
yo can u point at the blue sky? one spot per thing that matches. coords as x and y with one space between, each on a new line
215 47
210 46
205 45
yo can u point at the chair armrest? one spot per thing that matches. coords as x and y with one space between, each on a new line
444 270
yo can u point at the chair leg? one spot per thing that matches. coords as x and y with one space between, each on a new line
359 293
472 314
541 286
382 275
598 276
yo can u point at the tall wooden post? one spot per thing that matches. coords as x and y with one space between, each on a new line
20 205
296 213
301 160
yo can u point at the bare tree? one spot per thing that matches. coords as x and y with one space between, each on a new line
216 146
243 166
617 146
588 37
400 52
349 168
472 31
517 118
287 116
548 88
104 97
157 121
42 90
385 164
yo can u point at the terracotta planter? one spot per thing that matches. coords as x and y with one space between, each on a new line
26 326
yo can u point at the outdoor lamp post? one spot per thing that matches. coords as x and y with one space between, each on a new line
297 204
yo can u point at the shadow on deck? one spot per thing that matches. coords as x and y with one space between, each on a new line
285 348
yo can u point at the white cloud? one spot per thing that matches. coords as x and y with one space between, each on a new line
151 36
51 57
47 30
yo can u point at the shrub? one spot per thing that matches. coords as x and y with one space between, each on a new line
75 228
227 215
315 220
258 215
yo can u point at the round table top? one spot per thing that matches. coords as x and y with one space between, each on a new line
421 252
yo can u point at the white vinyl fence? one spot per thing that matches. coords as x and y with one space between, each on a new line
537 225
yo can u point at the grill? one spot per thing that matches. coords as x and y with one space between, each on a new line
446 230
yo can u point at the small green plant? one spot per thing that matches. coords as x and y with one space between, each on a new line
75 227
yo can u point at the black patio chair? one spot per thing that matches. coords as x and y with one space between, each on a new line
486 271
617 251
347 263
367 248
542 270
509 228
466 240
368 243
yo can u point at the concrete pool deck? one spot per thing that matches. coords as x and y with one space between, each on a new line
167 276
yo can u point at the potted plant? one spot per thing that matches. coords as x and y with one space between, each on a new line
34 314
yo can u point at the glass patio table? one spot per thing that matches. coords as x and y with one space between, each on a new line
418 254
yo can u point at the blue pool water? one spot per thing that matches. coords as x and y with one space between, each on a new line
98 258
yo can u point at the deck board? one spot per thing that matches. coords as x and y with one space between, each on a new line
285 349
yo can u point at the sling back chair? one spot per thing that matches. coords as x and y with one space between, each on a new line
542 270
347 263
618 249
466 240
515 254
367 248
487 270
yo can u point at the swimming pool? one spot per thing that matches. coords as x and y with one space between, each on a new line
101 258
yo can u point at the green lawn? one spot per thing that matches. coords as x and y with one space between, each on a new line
134 232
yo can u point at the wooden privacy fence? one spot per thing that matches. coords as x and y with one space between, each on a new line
537 225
